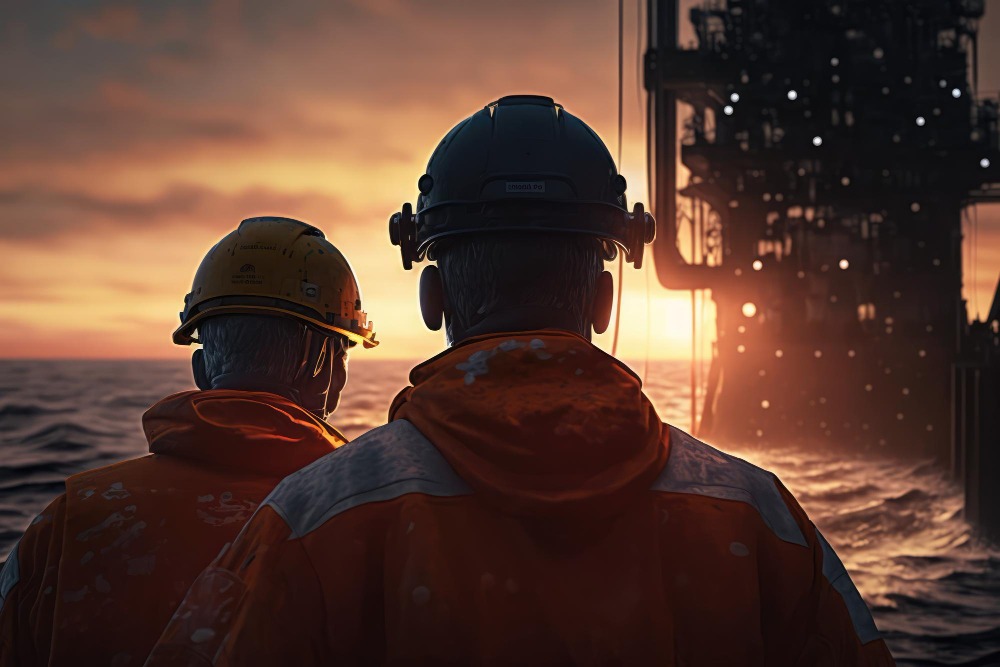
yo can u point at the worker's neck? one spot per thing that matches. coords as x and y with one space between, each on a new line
242 382
523 318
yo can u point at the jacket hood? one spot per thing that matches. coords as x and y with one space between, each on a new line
541 423
254 431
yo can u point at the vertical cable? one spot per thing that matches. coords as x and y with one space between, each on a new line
695 215
621 255
644 126
966 271
649 322
650 186
703 353
975 256
621 74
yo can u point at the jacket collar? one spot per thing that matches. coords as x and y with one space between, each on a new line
247 430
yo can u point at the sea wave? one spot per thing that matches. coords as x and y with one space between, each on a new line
933 585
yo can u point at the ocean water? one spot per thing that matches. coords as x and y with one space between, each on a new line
934 588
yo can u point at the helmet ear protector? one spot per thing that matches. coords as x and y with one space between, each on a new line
631 231
641 229
403 232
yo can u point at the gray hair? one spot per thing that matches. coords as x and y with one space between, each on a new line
485 274
263 346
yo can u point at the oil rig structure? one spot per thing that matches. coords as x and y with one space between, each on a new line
835 148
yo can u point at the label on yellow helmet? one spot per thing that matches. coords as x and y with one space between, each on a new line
257 245
247 275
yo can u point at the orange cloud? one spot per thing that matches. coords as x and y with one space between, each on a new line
118 22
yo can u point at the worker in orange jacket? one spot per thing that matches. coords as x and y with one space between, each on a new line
99 572
525 504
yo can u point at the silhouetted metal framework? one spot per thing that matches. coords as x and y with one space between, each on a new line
833 146
975 453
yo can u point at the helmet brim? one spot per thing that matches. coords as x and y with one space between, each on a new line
183 334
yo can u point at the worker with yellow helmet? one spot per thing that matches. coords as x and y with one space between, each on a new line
279 267
276 307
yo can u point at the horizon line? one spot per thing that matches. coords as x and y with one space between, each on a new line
178 358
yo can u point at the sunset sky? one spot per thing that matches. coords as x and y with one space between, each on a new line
135 135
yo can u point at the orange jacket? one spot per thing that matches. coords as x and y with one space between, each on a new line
525 505
99 572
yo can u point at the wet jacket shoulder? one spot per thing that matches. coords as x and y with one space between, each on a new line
97 575
27 584
751 529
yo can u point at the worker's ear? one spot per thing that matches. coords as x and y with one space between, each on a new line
604 301
201 379
431 297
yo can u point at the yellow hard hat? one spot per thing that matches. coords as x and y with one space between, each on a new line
277 266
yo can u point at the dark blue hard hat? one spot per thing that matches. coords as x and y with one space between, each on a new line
522 164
